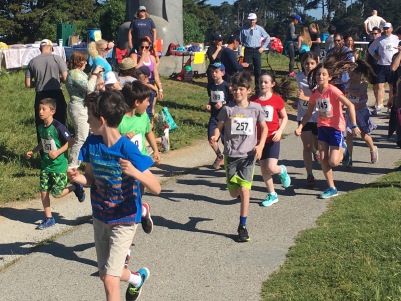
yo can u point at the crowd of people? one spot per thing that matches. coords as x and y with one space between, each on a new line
118 110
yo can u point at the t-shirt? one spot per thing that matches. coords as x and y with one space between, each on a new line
386 47
271 108
140 125
126 79
240 135
229 60
46 69
54 137
99 61
218 93
329 107
315 48
141 28
302 82
115 197
373 21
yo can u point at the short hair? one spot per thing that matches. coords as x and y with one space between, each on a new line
77 59
107 104
241 79
331 29
135 91
376 28
50 102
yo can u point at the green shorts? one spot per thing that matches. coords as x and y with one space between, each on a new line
239 172
53 182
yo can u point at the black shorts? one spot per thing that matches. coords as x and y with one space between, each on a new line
383 73
271 150
310 126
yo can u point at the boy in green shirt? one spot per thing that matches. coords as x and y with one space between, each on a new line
55 142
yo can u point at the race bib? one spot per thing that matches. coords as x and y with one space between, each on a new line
304 104
353 99
242 126
268 113
137 139
48 145
324 107
216 96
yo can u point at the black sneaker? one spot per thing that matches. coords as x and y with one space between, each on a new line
147 222
133 292
243 234
79 192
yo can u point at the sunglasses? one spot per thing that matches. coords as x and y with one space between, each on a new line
337 40
251 32
147 47
375 32
141 11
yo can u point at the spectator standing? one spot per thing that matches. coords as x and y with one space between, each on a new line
229 57
98 51
127 71
315 37
213 53
45 73
141 26
382 49
329 42
290 37
349 42
255 40
376 32
373 21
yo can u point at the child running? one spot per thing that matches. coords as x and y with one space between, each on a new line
331 121
357 92
274 109
218 97
114 168
135 125
309 131
240 143
55 142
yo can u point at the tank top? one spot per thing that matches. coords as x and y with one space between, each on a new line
149 65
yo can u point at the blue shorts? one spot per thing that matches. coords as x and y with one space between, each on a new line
383 73
212 126
271 150
331 136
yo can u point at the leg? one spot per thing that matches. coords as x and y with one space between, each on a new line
268 168
291 55
376 93
245 198
324 159
79 116
308 145
380 95
350 143
45 196
112 287
257 68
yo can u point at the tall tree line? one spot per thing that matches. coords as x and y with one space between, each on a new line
23 21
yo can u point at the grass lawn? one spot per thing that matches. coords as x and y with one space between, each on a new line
353 254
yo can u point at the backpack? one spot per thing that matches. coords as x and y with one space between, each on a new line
276 45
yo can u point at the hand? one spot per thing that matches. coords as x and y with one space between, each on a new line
277 135
246 65
29 154
356 132
110 45
130 46
258 151
160 95
53 154
390 102
156 156
298 131
214 139
218 105
129 135
218 47
99 69
73 174
261 50
301 94
208 107
128 168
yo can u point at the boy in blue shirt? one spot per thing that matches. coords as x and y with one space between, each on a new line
218 96
114 170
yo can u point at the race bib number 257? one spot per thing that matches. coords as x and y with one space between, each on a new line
242 126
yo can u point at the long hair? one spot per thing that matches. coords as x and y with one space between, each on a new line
94 47
336 64
306 36
283 88
365 69
315 26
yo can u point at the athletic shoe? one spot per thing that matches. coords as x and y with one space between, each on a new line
310 180
270 199
165 144
374 155
147 222
133 292
292 74
284 177
328 193
79 192
217 163
243 234
46 223
346 156
316 157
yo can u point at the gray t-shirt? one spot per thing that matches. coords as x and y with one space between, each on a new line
45 69
240 135
124 80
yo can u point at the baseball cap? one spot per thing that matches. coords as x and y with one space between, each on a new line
111 78
232 38
141 8
127 63
46 42
252 16
298 17
387 25
218 65
217 37
143 70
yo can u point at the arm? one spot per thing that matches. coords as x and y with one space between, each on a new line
157 78
35 150
397 60
63 76
284 119
150 136
299 42
130 46
365 24
87 179
262 142
351 114
154 32
28 83
217 131
304 121
146 177
266 41
55 153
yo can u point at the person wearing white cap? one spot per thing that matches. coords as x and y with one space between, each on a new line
255 40
141 26
382 50
373 21
44 73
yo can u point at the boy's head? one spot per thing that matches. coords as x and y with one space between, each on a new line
142 73
135 94
105 108
47 108
218 70
240 85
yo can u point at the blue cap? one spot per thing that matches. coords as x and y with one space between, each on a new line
218 65
298 17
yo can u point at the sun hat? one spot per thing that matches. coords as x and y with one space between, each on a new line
252 16
126 64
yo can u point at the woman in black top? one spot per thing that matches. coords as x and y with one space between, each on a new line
214 54
315 37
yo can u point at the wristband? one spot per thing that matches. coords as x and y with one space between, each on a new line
160 90
354 126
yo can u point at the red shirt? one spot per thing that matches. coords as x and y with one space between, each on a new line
272 108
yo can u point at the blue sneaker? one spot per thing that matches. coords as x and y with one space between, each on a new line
328 193
46 223
133 292
270 199
79 192
284 177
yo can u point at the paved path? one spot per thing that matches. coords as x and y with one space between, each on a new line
192 253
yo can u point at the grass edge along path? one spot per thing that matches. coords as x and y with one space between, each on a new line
354 252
